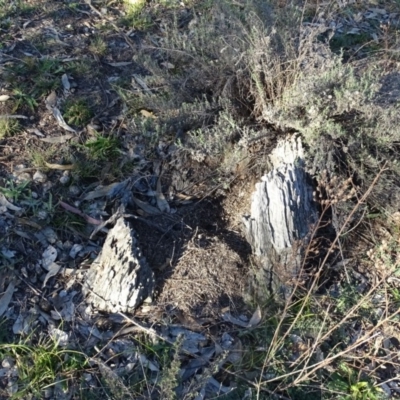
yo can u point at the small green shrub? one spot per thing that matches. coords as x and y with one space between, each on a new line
8 127
77 112
98 46
103 147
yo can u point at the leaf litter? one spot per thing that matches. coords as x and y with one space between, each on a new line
143 191
58 251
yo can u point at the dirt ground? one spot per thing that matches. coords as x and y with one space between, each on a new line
74 126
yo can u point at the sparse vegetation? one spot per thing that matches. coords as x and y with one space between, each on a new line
77 112
176 96
8 127
98 46
42 367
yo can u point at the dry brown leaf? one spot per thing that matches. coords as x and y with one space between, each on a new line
147 114
28 222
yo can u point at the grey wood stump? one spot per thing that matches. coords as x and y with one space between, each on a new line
281 218
119 279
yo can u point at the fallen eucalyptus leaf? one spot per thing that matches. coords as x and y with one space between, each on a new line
101 191
229 318
168 65
60 337
5 203
142 84
6 298
76 248
27 23
162 204
146 207
120 64
236 353
59 166
24 323
51 100
148 364
48 257
57 139
35 131
65 83
53 269
60 120
74 210
256 318
8 253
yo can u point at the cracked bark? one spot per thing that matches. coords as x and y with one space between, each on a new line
119 279
282 214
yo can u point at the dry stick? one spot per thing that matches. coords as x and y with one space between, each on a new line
324 261
327 361
267 358
13 116
350 313
323 363
329 332
271 350
318 340
249 382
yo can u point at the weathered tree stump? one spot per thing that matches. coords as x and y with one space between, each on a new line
119 279
282 215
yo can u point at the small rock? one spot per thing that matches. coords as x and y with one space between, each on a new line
64 179
385 388
24 177
74 190
67 245
42 215
47 186
48 393
39 177
87 377
8 362
19 167
50 235
12 387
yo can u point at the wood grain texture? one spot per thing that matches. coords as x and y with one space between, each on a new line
282 213
119 279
